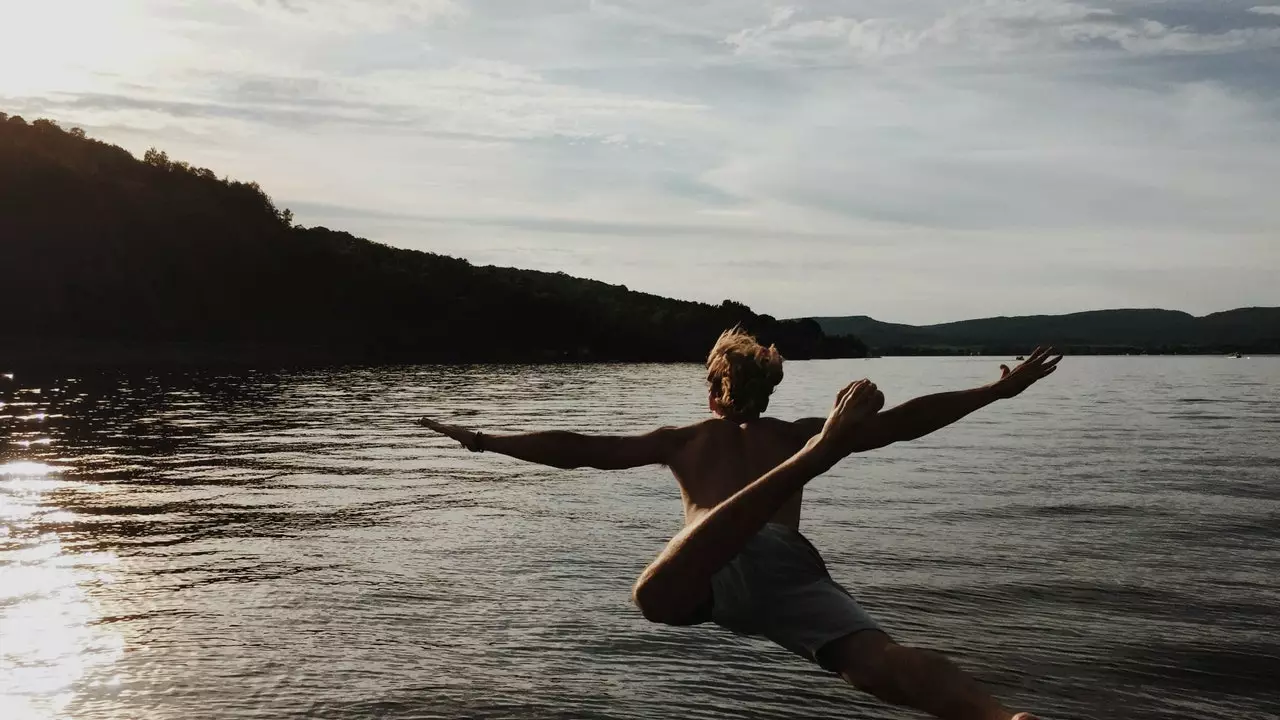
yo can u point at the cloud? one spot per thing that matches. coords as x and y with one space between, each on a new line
353 16
1060 154
1266 9
984 31
468 100
508 101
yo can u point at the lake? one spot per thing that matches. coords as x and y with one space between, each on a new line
289 545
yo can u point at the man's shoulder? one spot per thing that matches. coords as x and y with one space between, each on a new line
684 433
777 421
719 426
709 426
801 425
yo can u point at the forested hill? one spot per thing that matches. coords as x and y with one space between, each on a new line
1255 330
114 259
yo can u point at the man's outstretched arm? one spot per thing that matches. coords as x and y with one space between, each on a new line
563 449
920 416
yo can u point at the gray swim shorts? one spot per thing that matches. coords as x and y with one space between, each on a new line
778 587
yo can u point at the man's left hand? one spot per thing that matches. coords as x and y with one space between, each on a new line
1042 362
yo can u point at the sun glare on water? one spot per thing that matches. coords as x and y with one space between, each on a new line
26 469
52 645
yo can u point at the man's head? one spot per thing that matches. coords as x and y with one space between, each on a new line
742 375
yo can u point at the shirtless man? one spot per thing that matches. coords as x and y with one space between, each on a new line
740 560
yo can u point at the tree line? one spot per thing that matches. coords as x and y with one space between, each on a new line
110 256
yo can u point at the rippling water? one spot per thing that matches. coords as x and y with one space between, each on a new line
291 545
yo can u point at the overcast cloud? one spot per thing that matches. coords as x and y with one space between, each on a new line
912 160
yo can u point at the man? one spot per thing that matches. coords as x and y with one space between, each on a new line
740 560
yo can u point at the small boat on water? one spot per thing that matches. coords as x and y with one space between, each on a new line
1020 358
1234 356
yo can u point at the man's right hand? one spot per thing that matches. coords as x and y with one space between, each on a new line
857 402
467 438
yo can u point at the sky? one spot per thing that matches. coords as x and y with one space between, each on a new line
913 160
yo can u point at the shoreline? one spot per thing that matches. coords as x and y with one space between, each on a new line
181 359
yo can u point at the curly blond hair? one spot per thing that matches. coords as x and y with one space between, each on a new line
742 374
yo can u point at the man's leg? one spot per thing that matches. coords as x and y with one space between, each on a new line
678 581
920 679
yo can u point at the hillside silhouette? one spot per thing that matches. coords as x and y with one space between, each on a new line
112 259
1245 330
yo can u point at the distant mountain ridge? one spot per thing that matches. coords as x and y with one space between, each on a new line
1251 329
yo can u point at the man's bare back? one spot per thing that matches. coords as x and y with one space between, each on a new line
721 457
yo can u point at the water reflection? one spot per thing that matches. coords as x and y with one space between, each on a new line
52 645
